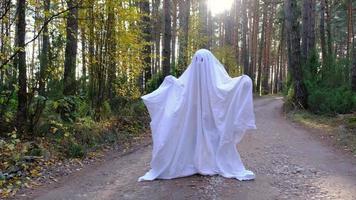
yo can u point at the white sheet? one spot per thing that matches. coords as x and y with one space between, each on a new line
198 119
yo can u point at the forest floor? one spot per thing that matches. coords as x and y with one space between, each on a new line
290 161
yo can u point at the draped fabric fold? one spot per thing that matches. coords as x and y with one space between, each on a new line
197 120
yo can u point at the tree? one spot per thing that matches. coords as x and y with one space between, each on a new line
349 28
353 67
322 31
184 9
237 5
328 27
146 30
203 19
71 49
254 45
111 46
44 61
167 36
294 53
20 63
267 48
308 29
156 34
351 34
174 31
261 48
245 56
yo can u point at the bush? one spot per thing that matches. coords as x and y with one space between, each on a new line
328 92
154 82
75 151
331 101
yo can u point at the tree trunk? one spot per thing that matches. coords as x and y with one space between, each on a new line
91 52
353 67
184 13
254 39
261 49
20 63
157 28
281 58
71 49
245 55
203 18
322 31
84 61
349 28
237 22
294 53
111 50
328 27
228 29
210 30
166 65
265 66
174 32
308 33
44 61
146 30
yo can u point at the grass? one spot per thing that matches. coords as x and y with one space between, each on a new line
340 128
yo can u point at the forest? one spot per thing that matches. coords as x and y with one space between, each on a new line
72 71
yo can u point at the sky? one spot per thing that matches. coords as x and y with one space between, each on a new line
219 6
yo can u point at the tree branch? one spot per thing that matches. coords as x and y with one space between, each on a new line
7 6
37 35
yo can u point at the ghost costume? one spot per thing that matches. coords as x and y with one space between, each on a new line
197 120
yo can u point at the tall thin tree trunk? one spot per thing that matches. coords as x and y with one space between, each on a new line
245 55
322 31
294 53
184 9
71 49
166 65
281 60
328 27
84 61
210 30
146 29
174 31
111 54
261 49
91 51
237 25
254 41
349 28
44 61
308 29
266 52
157 27
203 19
20 63
353 67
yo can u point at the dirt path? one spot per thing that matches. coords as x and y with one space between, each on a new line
289 162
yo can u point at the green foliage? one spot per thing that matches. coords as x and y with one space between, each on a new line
226 55
329 92
71 107
106 111
154 82
75 150
331 100
8 106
